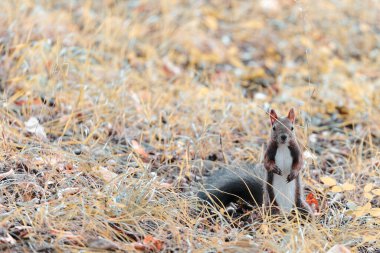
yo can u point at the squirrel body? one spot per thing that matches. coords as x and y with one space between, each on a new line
284 192
274 183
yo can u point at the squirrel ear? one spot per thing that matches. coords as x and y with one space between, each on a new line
273 116
291 115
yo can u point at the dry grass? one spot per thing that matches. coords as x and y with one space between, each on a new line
177 76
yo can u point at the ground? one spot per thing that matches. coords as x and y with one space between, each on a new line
107 104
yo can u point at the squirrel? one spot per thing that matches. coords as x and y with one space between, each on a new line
275 183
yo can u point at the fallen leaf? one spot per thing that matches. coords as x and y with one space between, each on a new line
348 187
376 192
375 212
368 187
309 156
34 101
211 23
67 191
170 68
369 238
329 181
336 188
139 149
362 210
255 74
339 249
106 174
262 96
5 238
153 243
7 174
312 201
139 246
67 235
368 195
164 185
252 24
69 166
270 5
241 244
102 243
21 231
351 205
367 206
33 126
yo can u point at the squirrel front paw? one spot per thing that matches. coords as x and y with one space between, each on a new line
276 170
271 166
293 174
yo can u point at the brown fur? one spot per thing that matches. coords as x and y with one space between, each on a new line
284 127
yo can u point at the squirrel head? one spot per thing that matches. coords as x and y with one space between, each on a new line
282 127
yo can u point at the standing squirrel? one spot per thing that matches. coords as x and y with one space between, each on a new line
274 183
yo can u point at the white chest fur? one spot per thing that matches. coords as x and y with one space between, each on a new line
284 192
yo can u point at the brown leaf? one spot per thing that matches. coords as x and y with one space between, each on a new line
312 201
34 101
139 149
69 166
139 246
153 243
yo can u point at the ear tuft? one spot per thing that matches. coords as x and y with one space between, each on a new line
291 115
273 116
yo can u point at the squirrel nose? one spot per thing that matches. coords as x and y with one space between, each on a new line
283 137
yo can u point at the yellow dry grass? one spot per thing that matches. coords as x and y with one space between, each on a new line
102 77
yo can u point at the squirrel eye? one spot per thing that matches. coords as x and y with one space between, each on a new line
274 128
292 128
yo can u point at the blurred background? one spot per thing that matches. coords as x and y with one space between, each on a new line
197 61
